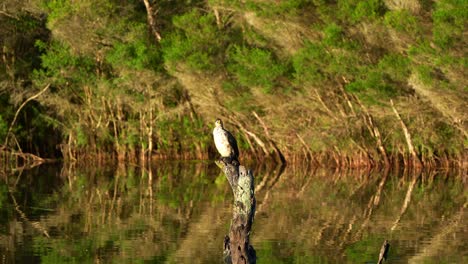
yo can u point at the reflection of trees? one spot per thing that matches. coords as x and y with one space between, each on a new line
437 243
123 214
347 219
116 215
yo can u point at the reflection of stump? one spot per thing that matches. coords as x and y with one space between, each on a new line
237 248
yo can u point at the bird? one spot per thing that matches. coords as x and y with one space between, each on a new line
226 143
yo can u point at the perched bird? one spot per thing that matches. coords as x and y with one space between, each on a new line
384 252
225 143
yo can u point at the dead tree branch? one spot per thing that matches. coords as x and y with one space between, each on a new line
151 20
373 130
21 107
409 142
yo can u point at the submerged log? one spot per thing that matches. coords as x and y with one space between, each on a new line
237 248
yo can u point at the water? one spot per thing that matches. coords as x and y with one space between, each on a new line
180 212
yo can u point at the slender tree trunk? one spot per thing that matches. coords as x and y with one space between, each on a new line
150 134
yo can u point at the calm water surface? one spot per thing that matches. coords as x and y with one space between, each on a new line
180 212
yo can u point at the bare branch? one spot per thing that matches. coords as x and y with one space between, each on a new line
21 107
151 20
409 142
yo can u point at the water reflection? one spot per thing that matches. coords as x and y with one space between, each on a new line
180 212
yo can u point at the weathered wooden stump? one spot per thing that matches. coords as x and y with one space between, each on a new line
237 248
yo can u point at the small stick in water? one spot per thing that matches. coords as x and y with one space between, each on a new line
383 252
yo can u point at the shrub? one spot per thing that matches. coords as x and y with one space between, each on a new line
135 52
449 18
369 9
57 9
61 67
396 66
333 35
196 40
278 8
254 67
308 63
373 85
403 21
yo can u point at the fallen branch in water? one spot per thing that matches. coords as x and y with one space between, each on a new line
383 252
13 160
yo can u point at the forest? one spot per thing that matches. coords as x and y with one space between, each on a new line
353 83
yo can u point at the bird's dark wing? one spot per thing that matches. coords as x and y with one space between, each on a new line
233 143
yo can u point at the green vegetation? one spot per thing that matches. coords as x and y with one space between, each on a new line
254 67
302 75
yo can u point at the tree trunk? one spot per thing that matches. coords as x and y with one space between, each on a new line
237 248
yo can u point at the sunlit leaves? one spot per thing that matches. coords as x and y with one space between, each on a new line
196 41
254 67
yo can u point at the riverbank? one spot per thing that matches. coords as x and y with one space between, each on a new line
382 83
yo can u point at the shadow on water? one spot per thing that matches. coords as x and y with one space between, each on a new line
179 213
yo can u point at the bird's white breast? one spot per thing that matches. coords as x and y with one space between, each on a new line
221 142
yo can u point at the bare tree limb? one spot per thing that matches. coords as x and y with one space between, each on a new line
151 20
21 107
409 142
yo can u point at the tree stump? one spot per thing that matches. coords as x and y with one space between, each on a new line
237 248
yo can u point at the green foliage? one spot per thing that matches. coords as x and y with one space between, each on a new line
106 69
24 23
373 81
319 61
278 8
403 21
449 18
243 102
3 129
349 11
333 35
308 63
57 9
396 66
196 40
81 137
254 67
254 38
62 67
171 134
135 54
368 9
425 74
